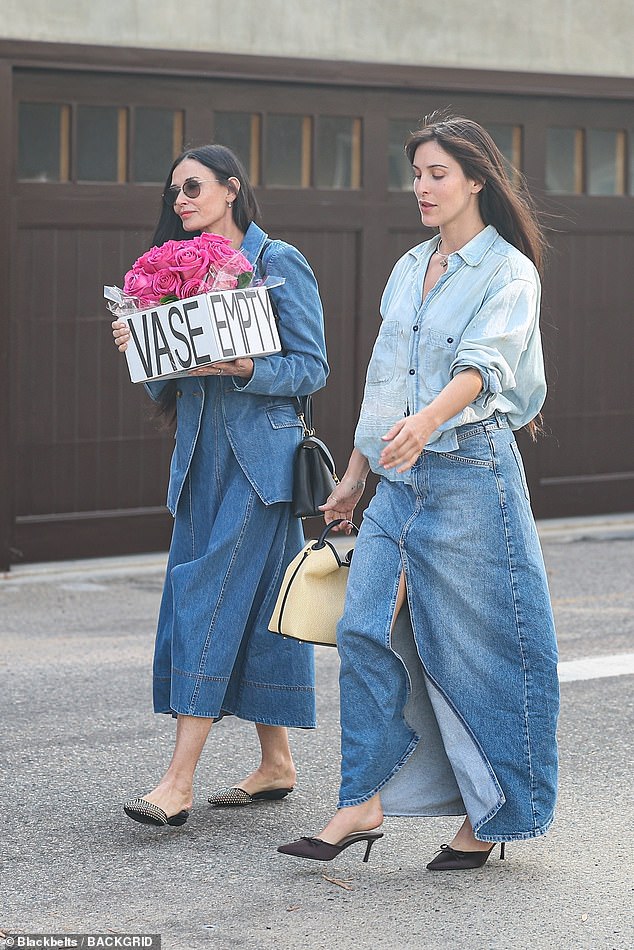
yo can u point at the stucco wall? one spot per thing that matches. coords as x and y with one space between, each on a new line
559 36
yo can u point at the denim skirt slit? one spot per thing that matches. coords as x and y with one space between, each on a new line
453 710
214 654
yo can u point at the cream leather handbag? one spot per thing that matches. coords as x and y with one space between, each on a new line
311 598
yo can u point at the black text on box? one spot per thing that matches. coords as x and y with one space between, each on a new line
172 339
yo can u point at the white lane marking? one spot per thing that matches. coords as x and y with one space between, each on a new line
595 667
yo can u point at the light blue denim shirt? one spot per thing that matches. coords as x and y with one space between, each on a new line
483 313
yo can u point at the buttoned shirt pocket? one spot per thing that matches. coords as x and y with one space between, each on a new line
382 364
439 351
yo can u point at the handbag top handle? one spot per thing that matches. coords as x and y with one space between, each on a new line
321 540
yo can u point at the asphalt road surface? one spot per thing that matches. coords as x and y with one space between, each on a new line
79 738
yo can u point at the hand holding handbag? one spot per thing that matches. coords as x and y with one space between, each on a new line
313 592
314 476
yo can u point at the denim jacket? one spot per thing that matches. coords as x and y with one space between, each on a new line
483 313
260 413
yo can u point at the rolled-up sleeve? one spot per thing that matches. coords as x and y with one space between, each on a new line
497 336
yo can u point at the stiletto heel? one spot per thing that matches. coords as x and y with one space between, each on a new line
317 850
451 860
366 856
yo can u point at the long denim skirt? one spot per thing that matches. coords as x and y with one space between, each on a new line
214 653
452 710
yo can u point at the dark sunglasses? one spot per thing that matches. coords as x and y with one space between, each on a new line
190 188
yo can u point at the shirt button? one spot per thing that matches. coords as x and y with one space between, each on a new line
415 328
449 339
412 372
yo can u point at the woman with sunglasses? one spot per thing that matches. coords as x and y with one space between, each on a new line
449 691
230 489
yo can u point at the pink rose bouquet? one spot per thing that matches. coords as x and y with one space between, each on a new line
179 269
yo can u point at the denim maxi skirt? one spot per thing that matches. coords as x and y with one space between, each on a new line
214 654
454 711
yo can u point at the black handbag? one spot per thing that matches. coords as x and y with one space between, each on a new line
314 476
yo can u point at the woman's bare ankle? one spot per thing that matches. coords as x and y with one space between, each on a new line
171 794
355 818
269 776
465 840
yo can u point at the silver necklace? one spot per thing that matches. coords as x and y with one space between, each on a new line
444 258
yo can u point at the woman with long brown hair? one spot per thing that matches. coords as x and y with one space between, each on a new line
449 691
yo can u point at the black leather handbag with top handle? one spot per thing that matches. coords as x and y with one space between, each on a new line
314 476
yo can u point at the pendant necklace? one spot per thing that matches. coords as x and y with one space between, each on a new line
444 258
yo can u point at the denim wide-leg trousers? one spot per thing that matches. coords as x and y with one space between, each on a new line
214 653
453 709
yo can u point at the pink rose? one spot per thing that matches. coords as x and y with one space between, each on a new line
186 268
194 286
165 282
220 256
157 258
226 264
217 248
139 284
208 238
236 264
190 261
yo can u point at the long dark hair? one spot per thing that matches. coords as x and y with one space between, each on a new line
504 201
225 165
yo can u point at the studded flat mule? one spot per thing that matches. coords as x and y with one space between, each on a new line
139 809
234 797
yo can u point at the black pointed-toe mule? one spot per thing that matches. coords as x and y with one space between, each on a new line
317 850
449 859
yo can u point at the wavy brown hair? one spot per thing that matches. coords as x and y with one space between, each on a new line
504 199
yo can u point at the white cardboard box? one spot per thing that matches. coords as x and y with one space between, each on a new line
169 340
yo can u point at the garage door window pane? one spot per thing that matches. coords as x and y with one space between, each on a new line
606 158
287 163
158 138
41 144
399 170
98 148
239 131
564 155
338 152
508 139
